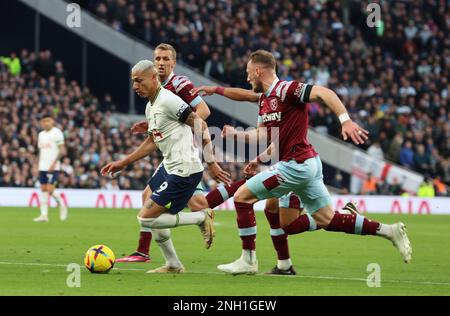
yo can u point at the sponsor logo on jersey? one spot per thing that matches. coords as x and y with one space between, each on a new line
157 134
299 91
273 104
270 117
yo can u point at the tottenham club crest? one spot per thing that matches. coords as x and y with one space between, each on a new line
273 104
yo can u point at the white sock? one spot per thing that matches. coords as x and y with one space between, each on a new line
284 264
385 230
167 220
44 203
57 197
162 237
249 256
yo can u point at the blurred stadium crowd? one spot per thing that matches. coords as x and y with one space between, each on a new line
392 78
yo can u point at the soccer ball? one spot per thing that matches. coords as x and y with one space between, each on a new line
99 259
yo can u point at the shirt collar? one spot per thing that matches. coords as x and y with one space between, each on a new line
168 79
269 91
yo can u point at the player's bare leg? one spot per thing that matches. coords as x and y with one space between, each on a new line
354 224
247 263
43 205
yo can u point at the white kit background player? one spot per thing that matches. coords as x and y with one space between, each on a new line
51 149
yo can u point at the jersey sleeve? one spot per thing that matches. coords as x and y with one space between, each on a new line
298 93
178 109
183 88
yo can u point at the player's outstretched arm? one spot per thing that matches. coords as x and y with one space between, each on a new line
200 126
349 128
250 136
236 94
145 148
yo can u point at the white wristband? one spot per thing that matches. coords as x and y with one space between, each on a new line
344 117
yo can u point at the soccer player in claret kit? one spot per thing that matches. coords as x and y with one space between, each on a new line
51 149
165 61
282 104
170 123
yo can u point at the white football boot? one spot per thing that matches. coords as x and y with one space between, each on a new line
167 269
401 241
207 228
41 218
240 266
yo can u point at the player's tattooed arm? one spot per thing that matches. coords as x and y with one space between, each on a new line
252 136
202 110
236 94
330 99
201 129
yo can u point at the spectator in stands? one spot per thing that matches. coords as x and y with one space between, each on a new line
426 189
439 187
407 155
13 64
421 160
369 185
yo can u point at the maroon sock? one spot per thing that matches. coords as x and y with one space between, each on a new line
279 237
247 225
223 193
352 224
300 225
144 242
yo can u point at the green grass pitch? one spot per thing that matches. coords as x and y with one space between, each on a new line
34 256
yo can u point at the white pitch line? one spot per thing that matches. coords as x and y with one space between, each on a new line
221 273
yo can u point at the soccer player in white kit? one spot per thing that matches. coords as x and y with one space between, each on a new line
51 149
170 124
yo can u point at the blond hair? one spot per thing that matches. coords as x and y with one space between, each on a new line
165 46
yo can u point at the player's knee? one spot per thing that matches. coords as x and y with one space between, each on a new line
323 217
197 202
146 222
272 206
243 195
161 234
